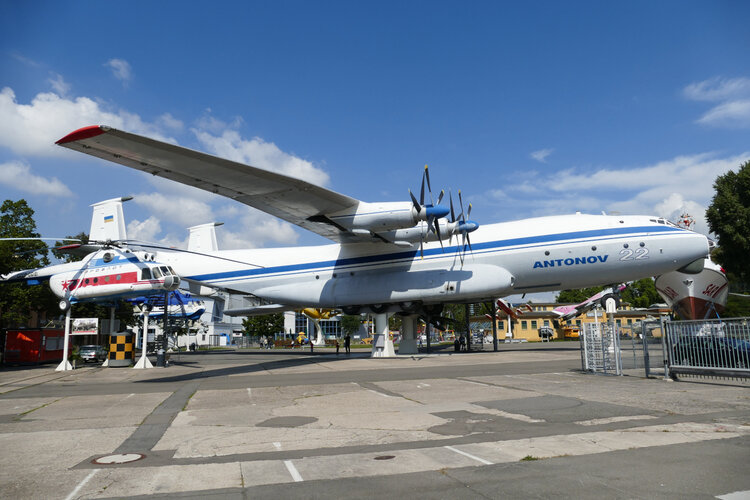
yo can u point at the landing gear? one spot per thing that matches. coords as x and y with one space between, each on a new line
351 310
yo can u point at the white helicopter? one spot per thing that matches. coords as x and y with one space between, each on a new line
109 270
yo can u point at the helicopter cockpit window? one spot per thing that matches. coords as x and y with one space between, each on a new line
171 270
165 270
145 273
157 273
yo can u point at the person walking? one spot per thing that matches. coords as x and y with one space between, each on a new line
337 346
311 346
348 344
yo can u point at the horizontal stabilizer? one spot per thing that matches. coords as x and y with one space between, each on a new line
258 310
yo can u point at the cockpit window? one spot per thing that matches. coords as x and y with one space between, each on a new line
157 273
145 273
171 270
165 270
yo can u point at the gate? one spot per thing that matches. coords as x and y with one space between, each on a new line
714 347
600 349
643 347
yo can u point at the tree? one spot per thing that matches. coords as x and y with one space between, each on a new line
577 296
68 256
728 217
17 300
267 324
641 293
350 324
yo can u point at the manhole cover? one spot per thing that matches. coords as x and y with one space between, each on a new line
385 457
120 458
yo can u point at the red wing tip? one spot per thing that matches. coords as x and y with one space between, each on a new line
83 133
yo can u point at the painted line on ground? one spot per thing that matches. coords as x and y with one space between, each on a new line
624 418
293 471
81 485
518 416
737 495
473 457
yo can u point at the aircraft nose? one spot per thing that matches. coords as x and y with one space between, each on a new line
437 212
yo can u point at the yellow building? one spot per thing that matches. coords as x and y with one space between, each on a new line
532 324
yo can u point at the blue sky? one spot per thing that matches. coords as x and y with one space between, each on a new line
531 108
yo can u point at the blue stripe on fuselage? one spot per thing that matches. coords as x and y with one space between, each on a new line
529 241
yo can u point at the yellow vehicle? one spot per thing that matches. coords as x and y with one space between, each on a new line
571 331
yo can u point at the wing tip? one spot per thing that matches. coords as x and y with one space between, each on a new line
83 133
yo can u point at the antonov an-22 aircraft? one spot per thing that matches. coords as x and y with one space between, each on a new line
396 256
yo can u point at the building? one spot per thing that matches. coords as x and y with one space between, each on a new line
532 325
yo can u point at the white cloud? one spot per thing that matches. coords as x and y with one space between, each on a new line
667 188
732 96
146 230
120 70
181 210
32 129
731 114
245 227
717 89
18 175
169 122
542 154
261 154
59 84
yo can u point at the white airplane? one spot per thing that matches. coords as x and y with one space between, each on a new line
395 257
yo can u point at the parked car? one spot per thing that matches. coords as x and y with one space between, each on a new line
93 353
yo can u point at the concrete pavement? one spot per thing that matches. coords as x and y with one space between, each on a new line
258 424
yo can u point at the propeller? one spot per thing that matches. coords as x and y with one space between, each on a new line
465 226
430 212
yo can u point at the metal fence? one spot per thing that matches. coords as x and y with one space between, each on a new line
716 347
642 346
600 349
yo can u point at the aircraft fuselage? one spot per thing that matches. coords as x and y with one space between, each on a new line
532 255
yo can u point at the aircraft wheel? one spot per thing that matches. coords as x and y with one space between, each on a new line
378 308
64 304
434 309
351 310
603 301
410 307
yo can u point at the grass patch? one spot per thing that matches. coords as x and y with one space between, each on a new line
529 458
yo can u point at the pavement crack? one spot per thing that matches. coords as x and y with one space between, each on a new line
21 415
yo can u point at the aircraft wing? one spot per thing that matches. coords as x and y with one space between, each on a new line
293 200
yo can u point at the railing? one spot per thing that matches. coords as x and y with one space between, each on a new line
600 349
716 347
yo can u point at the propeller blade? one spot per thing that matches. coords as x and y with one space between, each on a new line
468 214
440 196
437 233
429 188
461 204
453 214
421 192
417 206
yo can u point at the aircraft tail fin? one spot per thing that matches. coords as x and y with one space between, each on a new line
203 238
108 221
